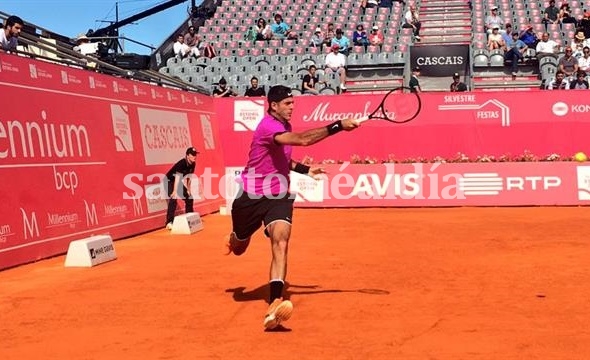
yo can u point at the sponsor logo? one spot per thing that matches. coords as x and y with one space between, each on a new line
489 110
247 114
155 197
103 250
33 71
207 132
115 210
165 135
561 109
5 233
583 173
115 86
306 188
440 60
478 184
67 219
121 127
322 113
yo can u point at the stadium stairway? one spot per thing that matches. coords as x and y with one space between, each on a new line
444 22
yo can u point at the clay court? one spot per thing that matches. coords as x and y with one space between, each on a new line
455 283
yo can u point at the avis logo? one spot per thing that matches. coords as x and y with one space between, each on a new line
489 110
477 184
247 114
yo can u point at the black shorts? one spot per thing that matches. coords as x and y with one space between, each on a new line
249 212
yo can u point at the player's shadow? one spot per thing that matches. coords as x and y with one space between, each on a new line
263 292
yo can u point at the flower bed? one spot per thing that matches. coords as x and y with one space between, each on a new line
527 156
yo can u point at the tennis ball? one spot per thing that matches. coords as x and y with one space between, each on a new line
581 157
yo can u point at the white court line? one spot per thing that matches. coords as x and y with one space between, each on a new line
105 98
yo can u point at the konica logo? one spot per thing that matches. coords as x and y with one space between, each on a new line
560 109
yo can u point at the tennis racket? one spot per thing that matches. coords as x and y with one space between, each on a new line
400 105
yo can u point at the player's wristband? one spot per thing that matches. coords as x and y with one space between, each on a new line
335 127
302 169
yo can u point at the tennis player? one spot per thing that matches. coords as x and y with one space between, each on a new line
264 198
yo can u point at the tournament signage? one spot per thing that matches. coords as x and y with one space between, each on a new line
440 60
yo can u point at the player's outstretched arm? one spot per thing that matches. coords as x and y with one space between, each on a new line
313 136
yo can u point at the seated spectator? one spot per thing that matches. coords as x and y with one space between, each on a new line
457 85
191 39
568 64
223 90
336 62
546 47
317 39
507 36
310 80
580 83
280 29
529 37
495 40
329 34
565 14
9 34
342 42
584 24
181 50
376 36
494 20
559 82
359 37
412 21
254 90
551 13
263 30
84 46
579 44
367 4
584 60
514 52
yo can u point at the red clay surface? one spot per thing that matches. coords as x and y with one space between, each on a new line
460 283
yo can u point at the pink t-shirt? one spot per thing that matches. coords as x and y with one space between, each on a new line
269 163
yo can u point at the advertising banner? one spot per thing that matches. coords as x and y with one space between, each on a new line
450 125
440 60
83 154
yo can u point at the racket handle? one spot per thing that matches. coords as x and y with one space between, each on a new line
362 120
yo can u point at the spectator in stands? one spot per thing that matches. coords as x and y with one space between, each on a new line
559 82
263 30
317 39
568 63
514 52
280 29
412 21
579 44
342 41
359 37
495 40
310 80
368 4
83 45
9 34
336 62
551 14
546 47
254 90
182 50
580 83
565 14
585 24
376 36
494 20
529 37
507 36
191 39
414 83
584 61
457 85
223 90
330 33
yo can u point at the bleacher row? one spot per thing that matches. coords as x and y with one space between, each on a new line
520 13
238 59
